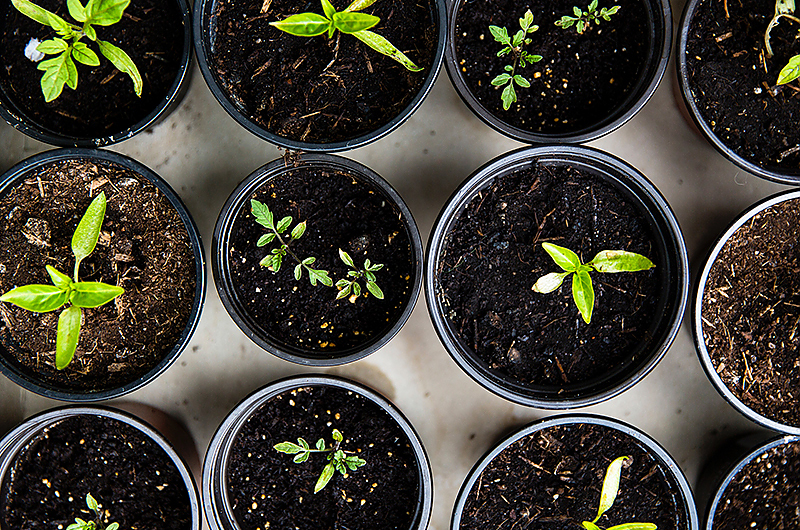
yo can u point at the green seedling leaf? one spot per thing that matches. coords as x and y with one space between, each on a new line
521 81
91 502
500 34
262 214
303 443
84 55
508 96
302 457
319 276
93 294
69 328
106 12
588 525
790 72
299 230
610 485
37 298
630 526
325 477
501 79
359 5
549 282
328 9
303 25
381 45
287 447
59 279
88 231
356 289
283 224
337 436
123 63
583 294
349 23
39 14
373 288
298 271
53 46
113 526
564 257
320 444
620 261
345 257
58 71
344 290
265 240
76 10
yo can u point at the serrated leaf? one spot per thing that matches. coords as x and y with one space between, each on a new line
303 25
93 294
38 298
350 23
106 12
76 10
53 46
550 282
790 72
500 34
58 71
88 231
265 240
325 477
319 276
287 447
262 214
565 22
518 37
610 485
277 261
381 45
59 279
299 230
563 257
345 257
283 224
84 55
620 261
123 63
501 79
69 328
508 96
373 288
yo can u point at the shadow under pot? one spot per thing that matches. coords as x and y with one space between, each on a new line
52 461
586 83
318 93
102 107
729 82
489 248
147 246
745 313
759 490
378 475
319 262
550 474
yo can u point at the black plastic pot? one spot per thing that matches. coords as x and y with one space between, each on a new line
204 37
674 288
759 169
221 265
682 493
29 381
22 435
217 505
697 321
660 35
18 117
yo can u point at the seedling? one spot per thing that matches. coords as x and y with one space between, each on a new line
65 290
367 273
349 22
68 48
607 497
583 19
519 57
582 290
338 460
80 524
274 259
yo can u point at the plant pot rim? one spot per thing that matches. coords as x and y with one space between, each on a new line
781 177
214 490
658 58
202 37
654 448
17 438
221 268
697 307
719 490
46 389
627 178
16 117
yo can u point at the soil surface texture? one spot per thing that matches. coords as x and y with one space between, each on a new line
341 212
143 247
267 490
493 256
130 476
316 89
581 79
551 480
765 493
150 32
733 82
751 313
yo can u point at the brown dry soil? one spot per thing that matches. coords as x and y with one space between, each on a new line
133 479
551 480
268 490
751 313
143 247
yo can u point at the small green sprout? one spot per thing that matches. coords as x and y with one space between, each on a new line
609 494
338 460
583 19
347 21
519 57
68 48
783 8
582 290
80 524
274 259
368 273
790 72
44 298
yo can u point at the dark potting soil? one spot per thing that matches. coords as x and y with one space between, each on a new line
551 480
342 212
765 493
493 256
581 79
267 490
130 476
751 313
315 89
150 32
143 247
733 83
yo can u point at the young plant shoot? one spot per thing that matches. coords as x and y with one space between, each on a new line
582 290
348 21
80 524
783 9
66 290
609 494
68 47
583 19
338 460
367 273
519 57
